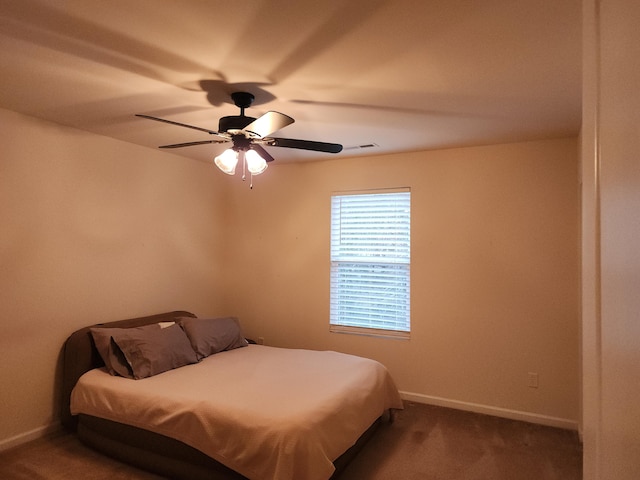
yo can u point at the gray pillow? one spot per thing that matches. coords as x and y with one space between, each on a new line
150 352
111 353
213 335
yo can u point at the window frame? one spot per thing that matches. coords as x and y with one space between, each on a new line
397 260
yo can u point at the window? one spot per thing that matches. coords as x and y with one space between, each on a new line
370 263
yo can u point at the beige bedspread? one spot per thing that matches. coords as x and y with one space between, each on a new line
268 413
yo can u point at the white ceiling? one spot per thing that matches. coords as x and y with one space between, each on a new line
402 74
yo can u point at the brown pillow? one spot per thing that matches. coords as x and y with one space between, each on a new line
111 353
213 335
152 352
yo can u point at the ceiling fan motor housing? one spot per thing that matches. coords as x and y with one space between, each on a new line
233 122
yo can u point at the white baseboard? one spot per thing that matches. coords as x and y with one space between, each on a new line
25 437
549 421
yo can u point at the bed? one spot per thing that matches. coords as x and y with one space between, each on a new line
235 410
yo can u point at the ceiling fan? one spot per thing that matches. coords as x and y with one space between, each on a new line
248 135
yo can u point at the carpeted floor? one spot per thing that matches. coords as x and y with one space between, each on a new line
424 442
429 443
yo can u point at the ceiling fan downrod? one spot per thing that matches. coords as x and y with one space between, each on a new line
242 100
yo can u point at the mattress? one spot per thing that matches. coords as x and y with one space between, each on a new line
265 412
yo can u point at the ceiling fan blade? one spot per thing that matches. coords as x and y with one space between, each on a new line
267 124
211 132
305 145
262 152
189 144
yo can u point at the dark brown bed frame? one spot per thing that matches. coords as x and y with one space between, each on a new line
142 448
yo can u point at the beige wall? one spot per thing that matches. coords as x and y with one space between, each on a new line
611 263
95 230
92 230
495 277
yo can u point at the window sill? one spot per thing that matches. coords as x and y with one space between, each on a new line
370 332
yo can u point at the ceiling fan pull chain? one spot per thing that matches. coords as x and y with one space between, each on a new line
251 182
244 167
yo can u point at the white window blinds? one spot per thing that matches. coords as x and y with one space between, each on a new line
370 263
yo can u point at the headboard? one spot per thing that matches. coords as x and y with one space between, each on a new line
80 355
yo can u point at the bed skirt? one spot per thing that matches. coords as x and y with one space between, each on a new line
169 457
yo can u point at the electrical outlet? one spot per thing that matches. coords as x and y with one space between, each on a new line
260 340
533 380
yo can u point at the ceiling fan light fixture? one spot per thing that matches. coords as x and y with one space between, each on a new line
255 163
227 161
